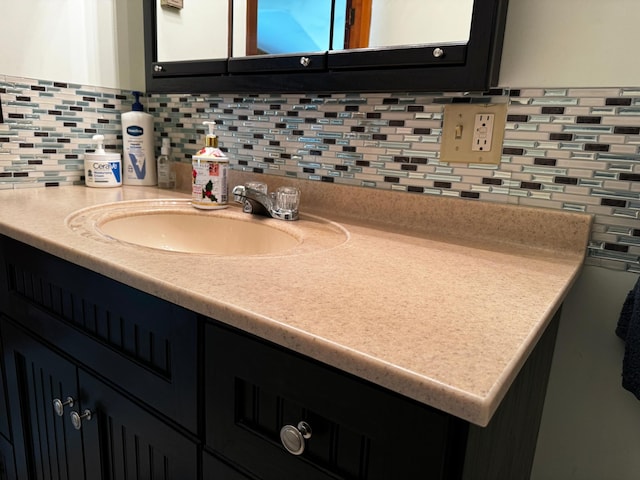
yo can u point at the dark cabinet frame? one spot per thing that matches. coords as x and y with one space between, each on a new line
471 67
217 410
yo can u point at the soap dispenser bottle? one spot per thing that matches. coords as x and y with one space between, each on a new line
102 169
210 166
137 138
166 175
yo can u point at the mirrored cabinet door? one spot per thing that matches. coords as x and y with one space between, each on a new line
192 40
281 46
198 32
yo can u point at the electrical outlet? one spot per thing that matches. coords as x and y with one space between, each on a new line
482 132
473 133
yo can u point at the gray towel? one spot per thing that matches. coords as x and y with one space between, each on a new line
628 329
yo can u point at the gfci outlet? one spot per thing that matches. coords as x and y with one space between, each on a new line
473 133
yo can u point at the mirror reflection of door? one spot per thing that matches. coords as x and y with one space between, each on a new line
357 24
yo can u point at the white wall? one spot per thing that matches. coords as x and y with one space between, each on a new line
571 43
90 42
590 423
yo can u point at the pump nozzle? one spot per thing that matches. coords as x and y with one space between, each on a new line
99 142
211 138
166 146
137 106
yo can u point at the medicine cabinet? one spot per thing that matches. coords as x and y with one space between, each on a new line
280 46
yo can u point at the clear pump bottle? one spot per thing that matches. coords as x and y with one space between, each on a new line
166 174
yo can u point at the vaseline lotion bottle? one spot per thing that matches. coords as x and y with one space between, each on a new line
139 161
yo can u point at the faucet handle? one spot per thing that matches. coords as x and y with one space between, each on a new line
257 186
238 193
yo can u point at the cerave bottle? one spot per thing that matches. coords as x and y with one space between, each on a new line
139 161
102 169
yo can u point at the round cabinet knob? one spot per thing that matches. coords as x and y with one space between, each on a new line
293 438
76 418
438 52
305 61
58 405
158 68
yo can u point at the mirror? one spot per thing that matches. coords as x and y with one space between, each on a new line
187 33
368 46
274 27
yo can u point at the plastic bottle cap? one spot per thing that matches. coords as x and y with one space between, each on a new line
137 106
166 146
99 142
211 139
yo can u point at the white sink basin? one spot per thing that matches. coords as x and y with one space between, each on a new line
174 225
193 233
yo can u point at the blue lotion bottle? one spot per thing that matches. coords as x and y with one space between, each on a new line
138 156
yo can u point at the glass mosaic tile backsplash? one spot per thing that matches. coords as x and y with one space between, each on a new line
564 148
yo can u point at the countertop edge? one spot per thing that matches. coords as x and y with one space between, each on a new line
473 408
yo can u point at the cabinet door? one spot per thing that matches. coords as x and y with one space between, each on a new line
129 442
358 431
4 419
145 345
46 445
7 467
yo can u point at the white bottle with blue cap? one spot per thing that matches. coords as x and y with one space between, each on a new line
139 160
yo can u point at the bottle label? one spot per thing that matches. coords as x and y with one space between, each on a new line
135 131
209 189
137 168
103 174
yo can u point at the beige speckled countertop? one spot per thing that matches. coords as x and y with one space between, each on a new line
439 299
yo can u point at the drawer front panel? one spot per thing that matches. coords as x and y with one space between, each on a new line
139 342
215 469
359 431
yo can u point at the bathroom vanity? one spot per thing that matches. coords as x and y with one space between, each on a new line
180 366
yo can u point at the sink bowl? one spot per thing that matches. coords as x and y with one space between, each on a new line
175 226
192 233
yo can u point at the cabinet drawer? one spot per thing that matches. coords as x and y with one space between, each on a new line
215 469
145 345
359 431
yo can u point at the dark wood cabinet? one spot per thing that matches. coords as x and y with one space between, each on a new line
128 358
37 376
120 440
7 465
143 344
358 431
174 395
7 468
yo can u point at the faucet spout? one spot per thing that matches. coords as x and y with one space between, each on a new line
261 203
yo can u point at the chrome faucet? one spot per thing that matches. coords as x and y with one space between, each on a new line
282 204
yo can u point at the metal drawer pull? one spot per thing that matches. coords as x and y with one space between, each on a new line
77 419
58 405
293 439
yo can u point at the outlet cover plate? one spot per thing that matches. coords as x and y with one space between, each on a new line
459 129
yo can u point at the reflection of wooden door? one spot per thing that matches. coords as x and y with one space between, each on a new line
252 27
358 24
